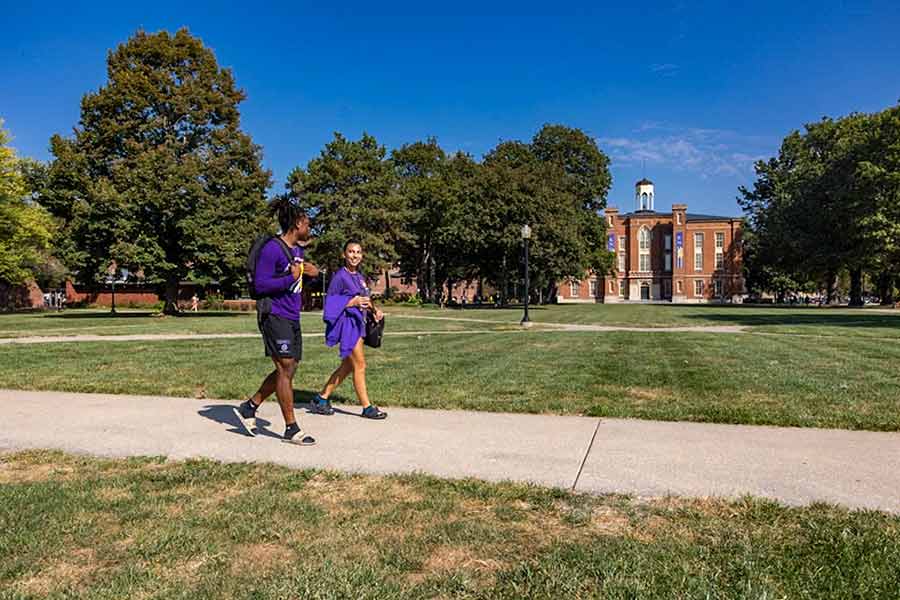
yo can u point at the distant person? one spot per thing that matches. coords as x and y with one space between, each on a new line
278 278
347 305
195 303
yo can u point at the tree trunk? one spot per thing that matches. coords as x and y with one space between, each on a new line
504 284
886 288
829 288
856 298
171 306
387 284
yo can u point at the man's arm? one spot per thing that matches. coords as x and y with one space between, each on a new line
265 281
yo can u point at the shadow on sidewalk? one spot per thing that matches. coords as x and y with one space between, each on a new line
226 415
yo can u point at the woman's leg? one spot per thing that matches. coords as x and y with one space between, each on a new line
344 369
358 362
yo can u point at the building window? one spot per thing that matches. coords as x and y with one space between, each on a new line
621 259
698 288
621 243
667 288
720 250
609 220
644 249
719 288
668 261
621 288
679 287
593 288
698 251
574 289
612 286
678 218
668 241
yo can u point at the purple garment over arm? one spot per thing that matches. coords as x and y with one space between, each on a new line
343 326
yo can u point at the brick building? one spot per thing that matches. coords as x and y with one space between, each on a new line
665 257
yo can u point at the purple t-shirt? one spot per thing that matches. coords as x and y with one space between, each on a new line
273 279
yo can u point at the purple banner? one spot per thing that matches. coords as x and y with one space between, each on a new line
611 242
679 239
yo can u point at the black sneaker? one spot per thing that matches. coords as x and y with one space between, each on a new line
373 412
246 413
321 406
294 435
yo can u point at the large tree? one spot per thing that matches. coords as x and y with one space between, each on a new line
159 176
350 192
557 184
823 205
26 229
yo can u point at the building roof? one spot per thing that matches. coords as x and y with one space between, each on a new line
691 217
644 181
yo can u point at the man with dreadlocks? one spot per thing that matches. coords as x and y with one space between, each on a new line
277 282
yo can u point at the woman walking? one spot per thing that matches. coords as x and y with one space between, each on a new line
347 306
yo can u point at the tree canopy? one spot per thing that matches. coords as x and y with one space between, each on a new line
159 177
26 230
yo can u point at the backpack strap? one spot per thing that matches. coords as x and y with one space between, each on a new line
284 248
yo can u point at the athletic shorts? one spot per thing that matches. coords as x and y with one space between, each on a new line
282 337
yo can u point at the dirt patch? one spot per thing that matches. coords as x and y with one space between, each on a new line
72 573
12 472
645 394
448 559
264 558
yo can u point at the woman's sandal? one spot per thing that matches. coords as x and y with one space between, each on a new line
373 412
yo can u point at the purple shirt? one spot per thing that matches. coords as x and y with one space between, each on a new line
273 279
344 326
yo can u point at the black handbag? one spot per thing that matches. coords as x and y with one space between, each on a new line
374 331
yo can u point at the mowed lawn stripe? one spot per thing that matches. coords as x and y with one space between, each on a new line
727 378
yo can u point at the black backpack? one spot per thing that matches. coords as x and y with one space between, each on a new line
263 303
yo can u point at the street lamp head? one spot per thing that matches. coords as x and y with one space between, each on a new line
526 232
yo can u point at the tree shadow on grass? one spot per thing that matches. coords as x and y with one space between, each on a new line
226 415
807 317
145 314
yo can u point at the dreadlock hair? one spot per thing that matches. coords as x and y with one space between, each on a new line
287 211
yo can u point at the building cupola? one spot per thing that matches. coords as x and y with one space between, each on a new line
643 195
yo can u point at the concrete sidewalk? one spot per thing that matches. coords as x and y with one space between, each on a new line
796 466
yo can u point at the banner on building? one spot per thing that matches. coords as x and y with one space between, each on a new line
611 242
679 239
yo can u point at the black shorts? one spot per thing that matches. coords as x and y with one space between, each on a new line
282 337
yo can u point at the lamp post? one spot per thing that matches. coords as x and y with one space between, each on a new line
526 237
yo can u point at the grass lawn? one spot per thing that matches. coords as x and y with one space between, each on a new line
93 322
77 527
808 321
846 382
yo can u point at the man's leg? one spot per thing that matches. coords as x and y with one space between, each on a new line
284 387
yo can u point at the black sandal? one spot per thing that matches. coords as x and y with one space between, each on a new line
373 412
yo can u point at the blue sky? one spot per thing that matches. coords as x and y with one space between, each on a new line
695 91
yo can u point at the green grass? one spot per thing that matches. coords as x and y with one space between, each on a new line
843 382
93 322
144 528
808 321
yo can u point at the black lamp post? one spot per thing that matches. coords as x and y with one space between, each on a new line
526 237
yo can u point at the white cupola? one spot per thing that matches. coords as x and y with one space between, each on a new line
643 195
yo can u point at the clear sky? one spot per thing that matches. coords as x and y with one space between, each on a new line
694 90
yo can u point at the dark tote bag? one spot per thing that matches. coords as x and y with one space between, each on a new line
374 331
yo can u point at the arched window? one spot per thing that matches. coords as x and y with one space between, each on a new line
644 203
644 249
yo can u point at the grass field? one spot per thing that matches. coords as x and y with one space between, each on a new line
846 381
143 528
810 321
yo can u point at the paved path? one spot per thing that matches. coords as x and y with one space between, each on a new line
796 466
